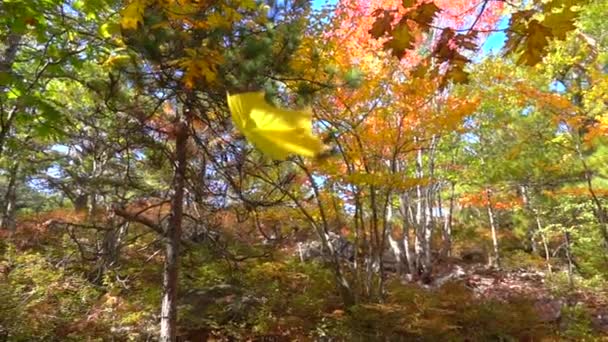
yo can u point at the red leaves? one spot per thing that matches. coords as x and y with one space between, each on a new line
382 25
424 14
401 37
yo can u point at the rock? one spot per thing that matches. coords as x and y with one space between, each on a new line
549 310
455 274
474 256
600 321
313 250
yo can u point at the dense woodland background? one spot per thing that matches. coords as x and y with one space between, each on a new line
463 195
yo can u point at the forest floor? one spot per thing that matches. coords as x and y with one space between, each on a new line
550 298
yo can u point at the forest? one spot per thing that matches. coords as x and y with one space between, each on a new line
303 170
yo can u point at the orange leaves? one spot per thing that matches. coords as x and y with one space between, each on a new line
576 191
599 129
455 110
501 201
416 21
554 101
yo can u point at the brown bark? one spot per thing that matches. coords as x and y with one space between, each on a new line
168 322
9 202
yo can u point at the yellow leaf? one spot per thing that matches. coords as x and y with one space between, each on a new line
536 41
199 66
276 132
133 14
560 23
401 40
116 61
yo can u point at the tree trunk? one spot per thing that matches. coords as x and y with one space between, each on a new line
570 261
393 243
406 213
493 227
12 42
7 221
543 238
446 250
168 322
600 212
421 244
429 195
531 233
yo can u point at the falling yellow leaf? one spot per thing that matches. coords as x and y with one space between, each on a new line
276 132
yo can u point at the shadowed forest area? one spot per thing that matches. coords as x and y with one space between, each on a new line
292 170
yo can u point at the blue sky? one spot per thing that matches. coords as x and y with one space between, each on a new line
496 40
318 4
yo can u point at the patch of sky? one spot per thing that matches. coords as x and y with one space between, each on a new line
60 148
527 111
557 86
318 5
496 40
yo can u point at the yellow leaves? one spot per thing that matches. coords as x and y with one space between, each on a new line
560 23
133 14
200 65
535 43
276 132
108 30
116 61
217 20
308 59
395 181
530 34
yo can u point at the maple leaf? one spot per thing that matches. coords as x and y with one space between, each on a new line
424 14
401 40
518 28
133 14
560 23
408 3
457 74
535 43
199 65
382 24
